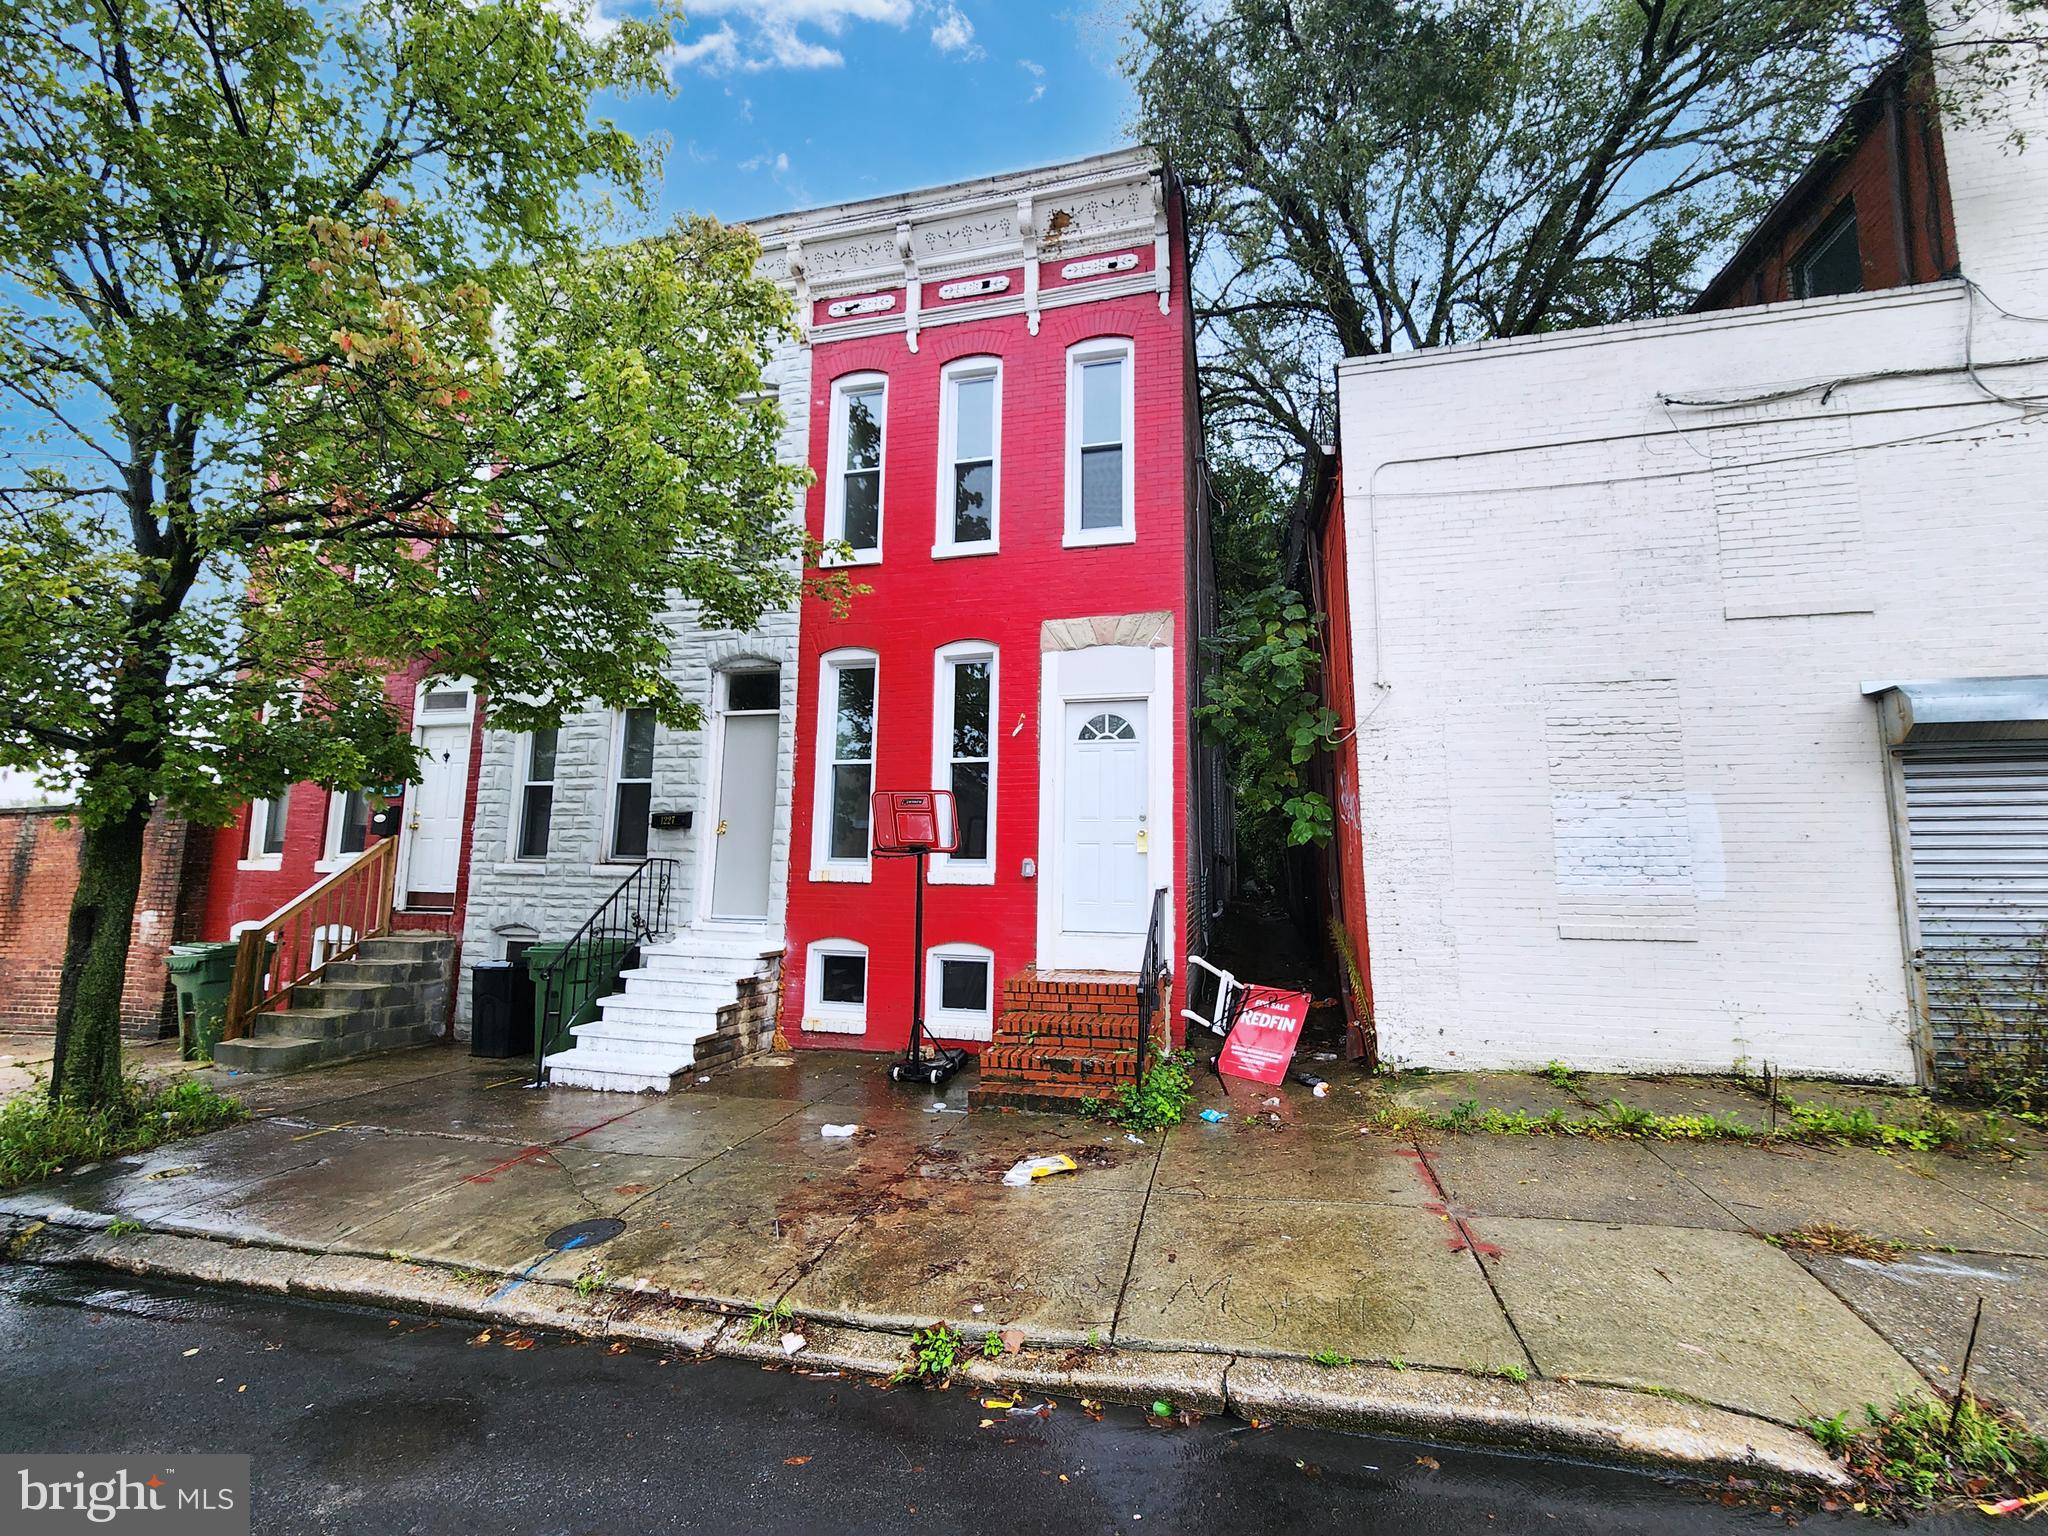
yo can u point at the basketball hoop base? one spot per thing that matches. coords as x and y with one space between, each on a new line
932 1070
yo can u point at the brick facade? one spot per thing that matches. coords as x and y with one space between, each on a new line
38 876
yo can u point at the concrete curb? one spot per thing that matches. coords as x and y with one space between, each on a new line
1560 1418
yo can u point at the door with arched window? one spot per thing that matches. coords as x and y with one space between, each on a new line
1105 885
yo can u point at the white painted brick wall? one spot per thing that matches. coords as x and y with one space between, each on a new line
552 897
1571 728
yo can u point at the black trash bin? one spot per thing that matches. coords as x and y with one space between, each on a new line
501 1009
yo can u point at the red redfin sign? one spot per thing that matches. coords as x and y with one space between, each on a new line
1262 1040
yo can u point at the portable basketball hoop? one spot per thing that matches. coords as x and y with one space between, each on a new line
915 824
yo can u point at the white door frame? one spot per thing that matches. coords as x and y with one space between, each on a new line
422 720
1102 674
714 777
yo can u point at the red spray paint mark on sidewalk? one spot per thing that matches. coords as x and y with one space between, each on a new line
529 1153
1467 1239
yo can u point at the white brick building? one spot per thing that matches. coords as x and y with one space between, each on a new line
515 899
1617 597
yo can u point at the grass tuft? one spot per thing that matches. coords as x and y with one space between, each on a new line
38 1137
1907 1457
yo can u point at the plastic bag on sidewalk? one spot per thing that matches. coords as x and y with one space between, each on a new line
1038 1168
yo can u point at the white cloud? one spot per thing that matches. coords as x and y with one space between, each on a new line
1037 74
954 33
590 17
772 33
776 164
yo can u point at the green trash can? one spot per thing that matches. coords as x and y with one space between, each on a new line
567 995
201 975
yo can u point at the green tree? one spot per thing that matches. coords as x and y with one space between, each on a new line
1371 175
318 364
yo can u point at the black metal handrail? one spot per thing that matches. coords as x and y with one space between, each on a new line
1156 967
637 910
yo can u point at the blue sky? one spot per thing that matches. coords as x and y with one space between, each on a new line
785 104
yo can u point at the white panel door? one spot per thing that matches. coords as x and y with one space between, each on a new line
439 802
1104 879
745 835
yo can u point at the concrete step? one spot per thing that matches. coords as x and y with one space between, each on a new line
713 992
413 947
657 999
721 967
277 1053
1053 1099
326 994
581 1068
306 1024
635 1034
378 973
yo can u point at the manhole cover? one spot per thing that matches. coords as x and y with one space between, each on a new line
586 1234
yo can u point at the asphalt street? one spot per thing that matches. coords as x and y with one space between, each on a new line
364 1422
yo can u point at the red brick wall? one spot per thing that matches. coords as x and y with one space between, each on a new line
38 875
918 603
1905 228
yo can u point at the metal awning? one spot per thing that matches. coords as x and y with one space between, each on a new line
1963 709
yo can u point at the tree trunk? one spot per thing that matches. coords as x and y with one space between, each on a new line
86 1068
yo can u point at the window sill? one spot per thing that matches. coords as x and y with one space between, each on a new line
618 867
958 1026
843 874
968 874
964 551
828 1024
520 867
339 861
268 861
858 557
1096 537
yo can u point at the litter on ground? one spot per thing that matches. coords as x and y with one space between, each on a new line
837 1132
1039 1168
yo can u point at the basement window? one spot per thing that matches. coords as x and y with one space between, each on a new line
836 987
959 991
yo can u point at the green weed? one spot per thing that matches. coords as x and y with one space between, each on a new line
1162 1099
1560 1075
934 1354
121 1226
591 1281
38 1137
769 1322
1330 1357
991 1347
1909 1456
1518 1374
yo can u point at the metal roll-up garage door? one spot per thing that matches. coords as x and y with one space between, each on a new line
1977 822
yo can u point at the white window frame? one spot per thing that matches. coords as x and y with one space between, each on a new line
821 1017
960 371
332 858
823 866
608 854
835 470
958 1023
522 783
256 856
944 868
1101 349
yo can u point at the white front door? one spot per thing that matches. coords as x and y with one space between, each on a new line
433 822
1105 885
743 842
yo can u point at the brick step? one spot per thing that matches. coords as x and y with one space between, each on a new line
1084 991
1057 1063
1050 1099
1095 1032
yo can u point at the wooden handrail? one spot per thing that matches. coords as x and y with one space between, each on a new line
325 923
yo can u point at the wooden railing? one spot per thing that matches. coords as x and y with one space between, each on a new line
297 942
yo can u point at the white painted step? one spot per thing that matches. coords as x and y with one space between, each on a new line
645 1034
706 991
580 1068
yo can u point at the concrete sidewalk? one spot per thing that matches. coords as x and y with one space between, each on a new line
1605 1295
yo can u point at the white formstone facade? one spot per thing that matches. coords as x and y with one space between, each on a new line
513 900
1616 594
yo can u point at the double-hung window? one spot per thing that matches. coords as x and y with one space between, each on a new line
632 783
853 490
970 452
348 826
1099 470
846 765
266 827
537 795
964 757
